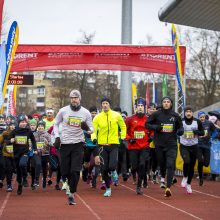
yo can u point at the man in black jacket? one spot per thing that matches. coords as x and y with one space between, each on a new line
167 124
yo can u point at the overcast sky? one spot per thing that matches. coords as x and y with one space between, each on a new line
60 21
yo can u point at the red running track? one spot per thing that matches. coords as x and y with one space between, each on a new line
204 203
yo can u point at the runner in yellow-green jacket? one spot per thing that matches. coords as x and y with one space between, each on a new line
106 132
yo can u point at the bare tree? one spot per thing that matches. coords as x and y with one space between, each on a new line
204 63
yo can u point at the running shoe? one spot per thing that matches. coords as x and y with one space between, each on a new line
162 185
108 192
64 186
89 178
71 201
184 182
154 179
9 188
139 191
19 190
167 192
36 183
188 189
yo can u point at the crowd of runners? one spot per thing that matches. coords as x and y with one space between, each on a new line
104 145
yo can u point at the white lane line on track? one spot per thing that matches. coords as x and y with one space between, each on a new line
203 193
185 212
88 207
4 204
207 194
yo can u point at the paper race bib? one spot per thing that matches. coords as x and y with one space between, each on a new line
139 134
189 134
21 140
9 148
167 128
74 121
40 145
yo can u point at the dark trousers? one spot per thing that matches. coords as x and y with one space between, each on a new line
35 165
44 165
109 161
122 159
189 155
2 167
9 168
71 163
138 160
166 157
203 156
21 162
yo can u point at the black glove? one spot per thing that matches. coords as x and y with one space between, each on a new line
94 141
84 126
132 141
57 143
196 132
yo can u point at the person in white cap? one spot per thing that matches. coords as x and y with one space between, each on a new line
74 119
49 120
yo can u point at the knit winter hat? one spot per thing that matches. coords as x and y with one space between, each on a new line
75 93
188 108
32 122
41 123
201 114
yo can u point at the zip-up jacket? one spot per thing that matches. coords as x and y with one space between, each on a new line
106 128
21 144
136 130
167 124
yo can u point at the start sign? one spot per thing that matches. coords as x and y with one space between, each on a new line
15 79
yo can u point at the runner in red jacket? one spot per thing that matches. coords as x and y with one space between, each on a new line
138 138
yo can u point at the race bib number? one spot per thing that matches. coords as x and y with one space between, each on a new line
188 134
206 133
9 148
21 140
40 145
74 121
139 134
167 128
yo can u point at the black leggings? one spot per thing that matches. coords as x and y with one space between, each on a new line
109 161
203 156
9 168
138 161
166 157
71 163
44 165
189 155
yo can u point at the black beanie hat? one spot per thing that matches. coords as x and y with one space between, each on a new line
41 123
105 99
167 97
93 109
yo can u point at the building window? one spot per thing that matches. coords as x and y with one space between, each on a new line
40 99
